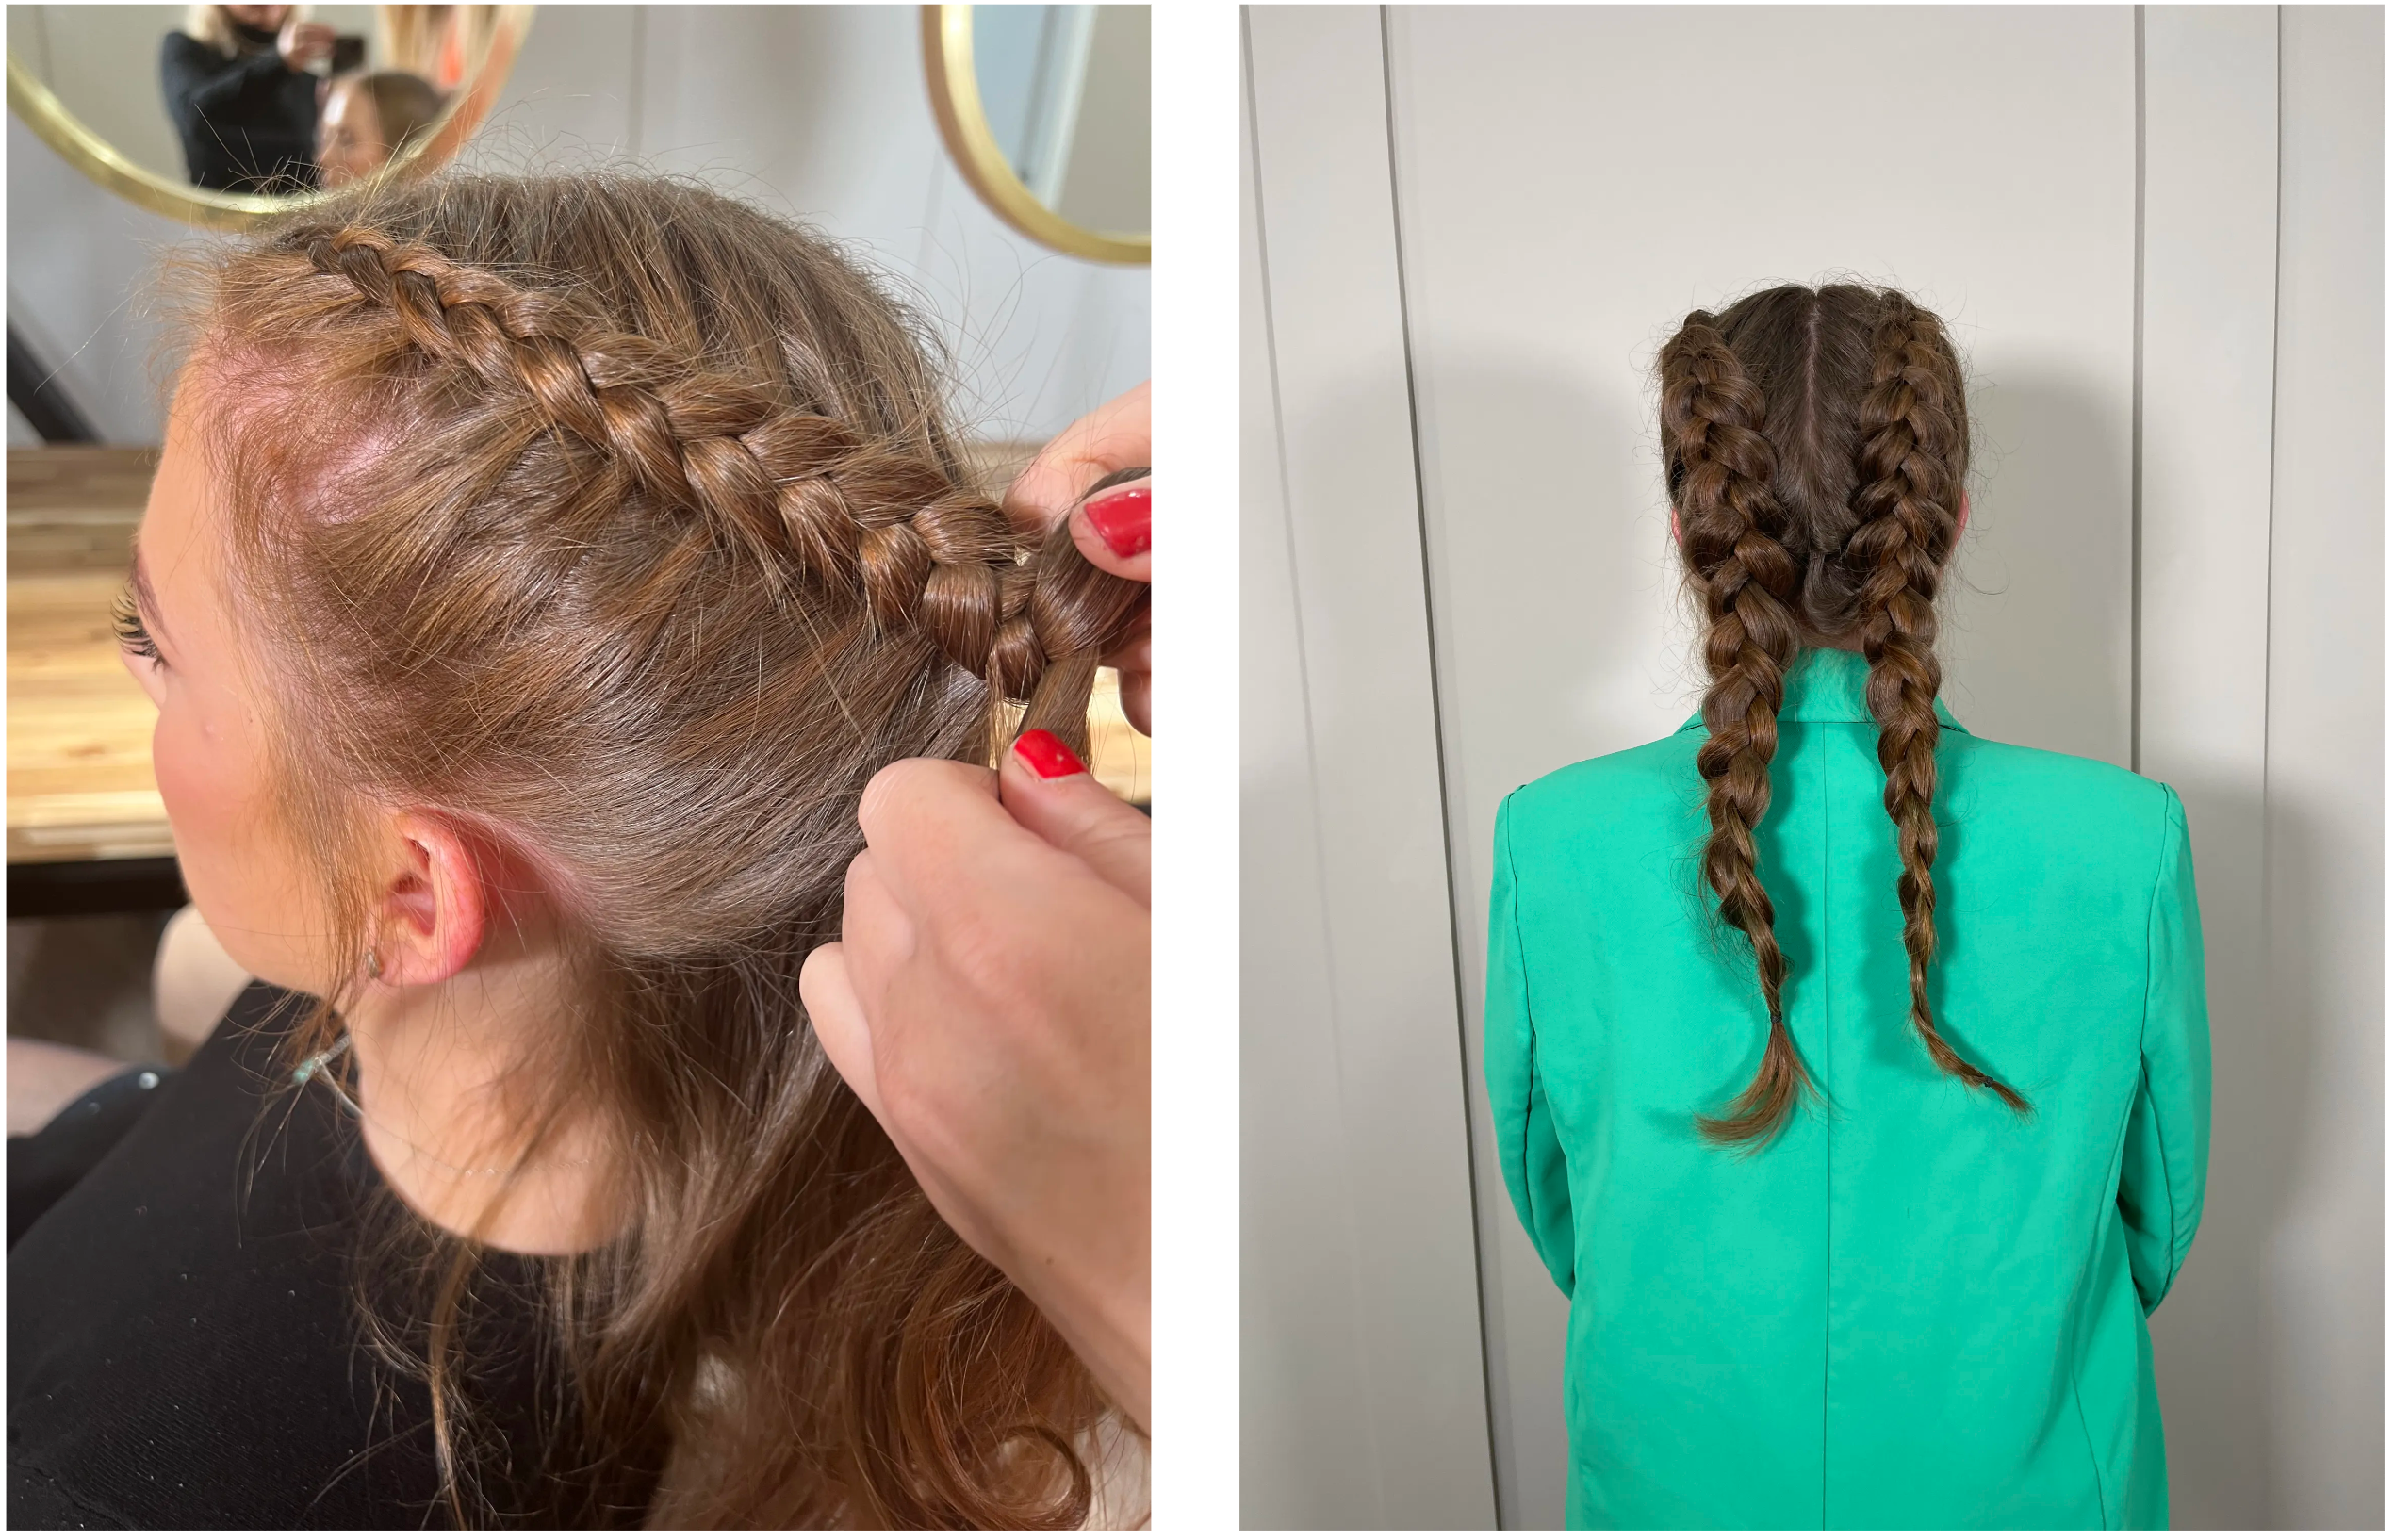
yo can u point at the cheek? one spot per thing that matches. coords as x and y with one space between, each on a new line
213 785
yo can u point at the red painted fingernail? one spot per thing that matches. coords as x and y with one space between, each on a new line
1120 519
1047 756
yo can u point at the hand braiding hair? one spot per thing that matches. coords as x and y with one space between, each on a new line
1733 531
1908 503
796 489
623 524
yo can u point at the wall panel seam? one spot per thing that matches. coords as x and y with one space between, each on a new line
1438 739
2270 539
2135 441
1304 676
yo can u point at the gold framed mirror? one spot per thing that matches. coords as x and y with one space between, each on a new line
432 72
1044 111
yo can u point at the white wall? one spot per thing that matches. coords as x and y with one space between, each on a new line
2322 1290
2142 226
1363 1399
818 112
102 61
76 257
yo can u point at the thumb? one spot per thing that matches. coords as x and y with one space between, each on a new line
829 993
1047 790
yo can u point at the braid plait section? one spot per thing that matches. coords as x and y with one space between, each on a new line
1734 531
811 498
1909 505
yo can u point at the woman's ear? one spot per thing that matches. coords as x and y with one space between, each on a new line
1675 526
435 903
1962 521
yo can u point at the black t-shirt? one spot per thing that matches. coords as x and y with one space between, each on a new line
248 123
185 1344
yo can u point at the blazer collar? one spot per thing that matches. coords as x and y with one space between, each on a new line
1827 685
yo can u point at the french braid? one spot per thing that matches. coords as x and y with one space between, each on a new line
1815 442
621 525
1908 504
798 491
1732 529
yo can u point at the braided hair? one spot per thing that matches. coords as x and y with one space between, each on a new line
1815 442
1734 532
621 522
808 498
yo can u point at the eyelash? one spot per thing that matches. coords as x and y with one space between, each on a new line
130 633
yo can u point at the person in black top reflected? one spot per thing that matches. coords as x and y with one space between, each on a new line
240 95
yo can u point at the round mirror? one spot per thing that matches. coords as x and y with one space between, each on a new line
223 115
1045 109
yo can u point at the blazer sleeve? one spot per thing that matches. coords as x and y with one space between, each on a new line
1527 1150
2168 1144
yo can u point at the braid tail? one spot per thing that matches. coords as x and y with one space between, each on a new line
1908 506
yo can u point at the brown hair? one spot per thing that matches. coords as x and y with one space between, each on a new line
406 106
621 523
1817 443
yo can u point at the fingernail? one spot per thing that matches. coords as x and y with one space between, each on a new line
1047 756
1120 519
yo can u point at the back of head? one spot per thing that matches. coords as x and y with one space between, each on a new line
622 524
405 105
1816 443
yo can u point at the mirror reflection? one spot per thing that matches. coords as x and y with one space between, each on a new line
1065 89
255 99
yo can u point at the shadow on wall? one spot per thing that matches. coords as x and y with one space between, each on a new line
2037 619
1363 1402
1303 1363
1594 653
1569 518
2211 1336
2227 1348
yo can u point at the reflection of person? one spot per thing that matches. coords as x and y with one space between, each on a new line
370 118
1020 1095
537 571
1872 1287
240 97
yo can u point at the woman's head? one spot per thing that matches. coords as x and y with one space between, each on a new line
370 118
579 548
1815 443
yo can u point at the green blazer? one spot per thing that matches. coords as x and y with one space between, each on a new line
1914 1309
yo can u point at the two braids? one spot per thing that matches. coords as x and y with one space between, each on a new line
1860 558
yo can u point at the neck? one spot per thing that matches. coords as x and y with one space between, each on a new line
449 1086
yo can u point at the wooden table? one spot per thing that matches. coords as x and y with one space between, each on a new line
83 807
79 782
